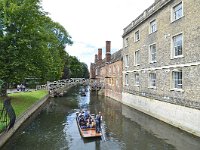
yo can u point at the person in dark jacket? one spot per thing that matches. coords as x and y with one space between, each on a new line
98 120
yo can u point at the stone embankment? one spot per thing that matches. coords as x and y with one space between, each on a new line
56 88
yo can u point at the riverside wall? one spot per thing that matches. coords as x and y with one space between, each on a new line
4 137
185 118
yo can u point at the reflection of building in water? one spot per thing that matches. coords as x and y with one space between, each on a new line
162 63
160 130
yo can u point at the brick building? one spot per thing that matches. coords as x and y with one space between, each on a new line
106 74
161 70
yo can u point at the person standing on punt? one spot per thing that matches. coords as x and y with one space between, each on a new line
98 120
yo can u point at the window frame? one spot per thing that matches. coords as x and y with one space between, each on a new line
126 61
152 25
126 79
152 81
173 11
137 57
175 45
150 53
177 83
126 42
137 36
137 79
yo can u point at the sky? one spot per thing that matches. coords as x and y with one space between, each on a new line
91 23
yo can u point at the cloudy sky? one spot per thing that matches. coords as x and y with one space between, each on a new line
92 22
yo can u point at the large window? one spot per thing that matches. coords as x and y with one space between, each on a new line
152 80
177 12
153 27
137 36
152 53
177 79
137 79
177 45
137 57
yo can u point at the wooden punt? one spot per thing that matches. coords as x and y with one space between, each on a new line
87 132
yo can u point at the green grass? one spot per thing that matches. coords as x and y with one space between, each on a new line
22 101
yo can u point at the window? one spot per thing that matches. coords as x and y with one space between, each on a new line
126 61
177 12
96 71
137 79
152 52
177 79
152 80
126 42
153 27
126 79
137 36
177 45
137 57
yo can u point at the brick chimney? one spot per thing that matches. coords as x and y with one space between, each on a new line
96 58
100 55
108 55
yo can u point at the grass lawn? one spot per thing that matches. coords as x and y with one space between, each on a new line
21 101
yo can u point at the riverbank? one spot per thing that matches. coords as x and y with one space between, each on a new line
24 104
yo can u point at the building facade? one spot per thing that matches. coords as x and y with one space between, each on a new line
106 74
161 68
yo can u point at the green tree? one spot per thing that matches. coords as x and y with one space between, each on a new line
31 44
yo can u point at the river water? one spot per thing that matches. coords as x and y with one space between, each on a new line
124 128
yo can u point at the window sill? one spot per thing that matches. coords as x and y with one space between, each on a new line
136 85
137 41
152 87
152 62
152 32
177 19
177 90
176 57
137 65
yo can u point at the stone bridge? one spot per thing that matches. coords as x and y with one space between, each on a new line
59 88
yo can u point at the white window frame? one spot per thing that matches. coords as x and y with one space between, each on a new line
177 80
126 79
175 45
152 53
153 26
137 36
126 61
152 80
96 71
126 42
174 12
137 57
137 79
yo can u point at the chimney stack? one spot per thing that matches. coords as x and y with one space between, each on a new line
100 55
96 58
108 54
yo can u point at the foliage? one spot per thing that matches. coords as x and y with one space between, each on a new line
75 69
31 44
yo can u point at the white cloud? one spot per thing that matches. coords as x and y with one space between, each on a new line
92 22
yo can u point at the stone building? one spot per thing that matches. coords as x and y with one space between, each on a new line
106 74
161 70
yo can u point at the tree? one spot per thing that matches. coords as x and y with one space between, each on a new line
31 44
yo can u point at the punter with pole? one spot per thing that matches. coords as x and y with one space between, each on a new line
98 120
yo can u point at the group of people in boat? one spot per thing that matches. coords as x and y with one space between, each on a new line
86 120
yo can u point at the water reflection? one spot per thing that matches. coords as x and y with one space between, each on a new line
123 128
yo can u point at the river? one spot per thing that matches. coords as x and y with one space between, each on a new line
124 128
